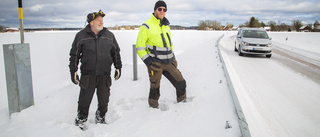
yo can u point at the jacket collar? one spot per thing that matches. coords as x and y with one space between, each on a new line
88 30
164 21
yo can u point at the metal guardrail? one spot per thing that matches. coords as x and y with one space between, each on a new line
241 118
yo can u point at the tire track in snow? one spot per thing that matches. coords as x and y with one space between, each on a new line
298 63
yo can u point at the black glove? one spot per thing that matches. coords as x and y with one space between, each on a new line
75 77
117 74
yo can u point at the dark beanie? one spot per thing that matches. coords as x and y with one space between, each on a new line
93 15
160 3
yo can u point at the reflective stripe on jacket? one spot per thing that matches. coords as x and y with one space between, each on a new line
154 41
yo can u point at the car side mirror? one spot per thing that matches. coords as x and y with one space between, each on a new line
270 38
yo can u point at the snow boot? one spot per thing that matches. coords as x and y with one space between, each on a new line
80 123
99 119
182 98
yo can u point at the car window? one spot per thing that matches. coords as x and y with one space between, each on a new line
246 34
255 34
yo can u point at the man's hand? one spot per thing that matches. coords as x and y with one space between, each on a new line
75 77
117 74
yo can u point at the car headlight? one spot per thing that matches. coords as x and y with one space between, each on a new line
244 43
269 45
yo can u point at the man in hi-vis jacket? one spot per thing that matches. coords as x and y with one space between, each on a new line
154 47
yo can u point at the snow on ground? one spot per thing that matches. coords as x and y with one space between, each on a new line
276 101
208 108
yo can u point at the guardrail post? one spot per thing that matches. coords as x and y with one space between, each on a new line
135 65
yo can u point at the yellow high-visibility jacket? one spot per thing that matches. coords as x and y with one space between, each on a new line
154 41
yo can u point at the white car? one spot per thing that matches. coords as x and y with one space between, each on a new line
253 41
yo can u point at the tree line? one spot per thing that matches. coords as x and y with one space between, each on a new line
213 25
255 23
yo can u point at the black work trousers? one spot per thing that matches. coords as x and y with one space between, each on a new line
88 84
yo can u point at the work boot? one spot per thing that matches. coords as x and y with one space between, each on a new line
153 103
80 123
99 119
182 98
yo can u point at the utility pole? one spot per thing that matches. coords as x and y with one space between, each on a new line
21 21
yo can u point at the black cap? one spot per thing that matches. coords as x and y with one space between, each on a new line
160 3
93 15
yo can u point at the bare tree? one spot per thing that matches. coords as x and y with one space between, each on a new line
283 27
230 25
297 24
273 25
2 28
316 26
215 25
202 25
209 24
262 24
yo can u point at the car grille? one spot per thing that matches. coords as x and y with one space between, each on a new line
258 51
259 45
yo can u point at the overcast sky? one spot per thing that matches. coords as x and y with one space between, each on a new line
73 13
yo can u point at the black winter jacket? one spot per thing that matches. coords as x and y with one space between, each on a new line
96 52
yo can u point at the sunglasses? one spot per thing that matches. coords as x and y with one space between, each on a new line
162 9
97 13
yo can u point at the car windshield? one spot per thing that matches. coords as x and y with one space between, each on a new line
255 34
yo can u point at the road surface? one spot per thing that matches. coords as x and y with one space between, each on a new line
280 96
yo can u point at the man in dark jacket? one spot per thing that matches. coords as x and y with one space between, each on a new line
97 49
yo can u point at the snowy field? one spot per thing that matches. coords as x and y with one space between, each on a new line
306 44
208 108
276 101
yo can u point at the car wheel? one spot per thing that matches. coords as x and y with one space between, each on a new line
235 47
268 56
239 50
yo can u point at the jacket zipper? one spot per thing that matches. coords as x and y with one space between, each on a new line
96 44
164 41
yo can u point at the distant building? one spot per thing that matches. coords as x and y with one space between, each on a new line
234 28
12 29
267 28
226 28
316 27
305 28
